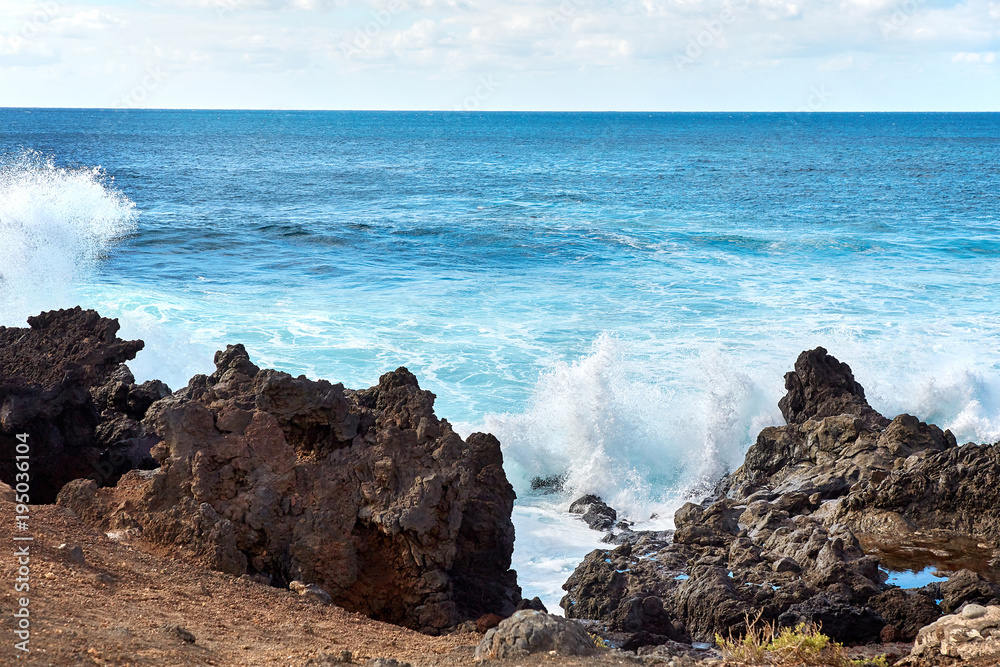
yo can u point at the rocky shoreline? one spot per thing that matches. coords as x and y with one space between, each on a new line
799 532
368 501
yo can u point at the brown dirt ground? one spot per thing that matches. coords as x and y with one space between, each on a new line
112 609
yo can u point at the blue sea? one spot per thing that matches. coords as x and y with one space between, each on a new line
616 296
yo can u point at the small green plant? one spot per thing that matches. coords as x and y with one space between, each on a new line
749 649
599 641
765 645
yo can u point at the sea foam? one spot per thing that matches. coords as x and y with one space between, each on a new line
649 429
55 224
606 424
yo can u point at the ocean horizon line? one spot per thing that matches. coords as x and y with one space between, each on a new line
819 112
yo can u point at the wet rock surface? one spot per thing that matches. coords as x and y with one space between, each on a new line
366 495
779 539
595 512
63 382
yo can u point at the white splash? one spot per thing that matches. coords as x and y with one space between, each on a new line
55 225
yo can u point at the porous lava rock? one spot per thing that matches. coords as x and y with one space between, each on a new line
968 587
63 383
719 570
596 513
822 386
780 539
907 611
955 489
838 617
365 494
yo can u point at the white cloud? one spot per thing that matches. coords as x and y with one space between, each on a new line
838 63
81 25
745 45
17 51
988 58
225 6
779 9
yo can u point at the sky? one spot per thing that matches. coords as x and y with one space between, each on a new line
549 55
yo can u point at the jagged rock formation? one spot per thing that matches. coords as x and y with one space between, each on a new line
64 383
781 536
826 458
954 489
596 513
366 494
728 562
821 386
967 587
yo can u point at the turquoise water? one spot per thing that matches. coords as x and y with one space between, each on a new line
616 296
914 578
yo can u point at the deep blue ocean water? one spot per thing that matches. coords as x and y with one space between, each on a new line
616 296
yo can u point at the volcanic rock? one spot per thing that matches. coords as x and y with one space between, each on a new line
967 586
940 488
310 591
366 494
824 459
906 611
50 374
966 637
178 632
728 562
548 484
821 386
779 541
530 631
849 623
534 603
596 513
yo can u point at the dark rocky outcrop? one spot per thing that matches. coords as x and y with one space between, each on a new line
534 603
64 383
821 386
967 587
596 513
939 488
729 562
549 484
907 611
368 497
780 540
823 460
838 617
366 494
